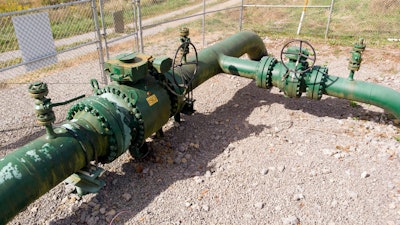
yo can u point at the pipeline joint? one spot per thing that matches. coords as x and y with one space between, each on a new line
264 72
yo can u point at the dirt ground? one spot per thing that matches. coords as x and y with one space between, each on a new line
247 156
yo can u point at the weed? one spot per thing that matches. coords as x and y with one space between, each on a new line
353 104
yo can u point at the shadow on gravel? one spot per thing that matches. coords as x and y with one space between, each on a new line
21 141
202 136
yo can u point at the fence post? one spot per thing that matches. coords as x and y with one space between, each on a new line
103 24
98 36
140 31
241 16
135 22
329 19
204 23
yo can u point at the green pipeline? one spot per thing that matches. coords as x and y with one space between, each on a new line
35 168
361 91
234 46
101 127
119 117
353 90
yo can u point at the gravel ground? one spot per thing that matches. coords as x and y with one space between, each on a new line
247 156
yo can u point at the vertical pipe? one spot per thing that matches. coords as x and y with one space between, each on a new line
103 24
302 16
140 31
329 19
204 23
100 44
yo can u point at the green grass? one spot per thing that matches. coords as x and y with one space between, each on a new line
10 62
373 20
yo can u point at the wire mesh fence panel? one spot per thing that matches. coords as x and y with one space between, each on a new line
71 36
119 21
285 17
180 14
377 20
161 10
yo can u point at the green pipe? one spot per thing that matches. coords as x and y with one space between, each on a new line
120 116
234 46
240 67
35 168
361 91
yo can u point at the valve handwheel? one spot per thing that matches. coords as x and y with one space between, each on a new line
182 60
298 51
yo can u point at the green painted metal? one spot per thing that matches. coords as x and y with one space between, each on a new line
35 168
314 82
234 46
142 98
361 91
356 58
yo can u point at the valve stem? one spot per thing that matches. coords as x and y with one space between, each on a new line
44 112
44 108
356 58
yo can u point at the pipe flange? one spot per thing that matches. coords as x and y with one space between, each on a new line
105 126
264 72
137 125
315 86
136 144
292 86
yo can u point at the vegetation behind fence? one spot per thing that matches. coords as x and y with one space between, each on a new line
376 20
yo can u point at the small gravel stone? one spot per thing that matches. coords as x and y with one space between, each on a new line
298 197
259 205
198 180
291 220
102 210
112 212
205 208
264 171
365 174
127 196
34 209
340 155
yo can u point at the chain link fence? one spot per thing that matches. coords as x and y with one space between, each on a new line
80 29
46 37
376 20
208 21
119 24
287 17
